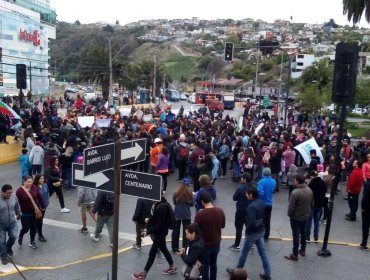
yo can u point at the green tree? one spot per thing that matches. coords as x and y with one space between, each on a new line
362 96
320 73
312 99
355 8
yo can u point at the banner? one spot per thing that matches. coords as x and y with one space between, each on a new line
258 128
62 112
125 112
103 122
147 117
86 121
305 148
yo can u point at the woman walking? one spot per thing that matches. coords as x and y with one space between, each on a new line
28 219
54 183
66 160
162 166
39 181
183 200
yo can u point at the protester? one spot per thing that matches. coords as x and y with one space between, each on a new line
142 211
9 212
86 200
39 181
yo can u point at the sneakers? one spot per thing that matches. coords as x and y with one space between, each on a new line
20 240
42 239
170 270
96 239
4 261
65 210
234 248
33 245
10 252
291 257
84 230
139 275
137 247
302 253
364 248
265 277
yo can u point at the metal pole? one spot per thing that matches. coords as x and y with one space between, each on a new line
324 252
256 83
30 77
155 77
117 193
110 97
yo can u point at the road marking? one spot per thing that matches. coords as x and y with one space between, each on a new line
55 223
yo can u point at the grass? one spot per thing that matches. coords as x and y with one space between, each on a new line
359 132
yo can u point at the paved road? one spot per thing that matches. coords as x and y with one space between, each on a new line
66 245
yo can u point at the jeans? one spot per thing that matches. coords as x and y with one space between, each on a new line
236 170
176 234
68 176
209 269
353 205
164 179
36 169
139 230
255 238
12 229
239 222
267 220
101 221
224 165
181 166
315 216
159 242
28 222
298 231
365 226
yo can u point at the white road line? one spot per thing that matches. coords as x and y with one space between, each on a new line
55 223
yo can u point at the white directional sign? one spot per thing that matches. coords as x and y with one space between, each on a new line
100 181
133 151
98 159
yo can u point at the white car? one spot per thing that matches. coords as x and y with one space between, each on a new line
359 111
191 99
183 96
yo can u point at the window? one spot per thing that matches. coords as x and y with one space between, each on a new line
299 63
300 56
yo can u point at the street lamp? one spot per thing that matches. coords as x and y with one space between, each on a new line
261 75
110 98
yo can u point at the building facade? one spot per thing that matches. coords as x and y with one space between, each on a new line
26 26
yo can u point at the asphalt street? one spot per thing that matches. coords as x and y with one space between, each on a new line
69 254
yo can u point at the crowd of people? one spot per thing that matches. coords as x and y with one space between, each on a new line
202 149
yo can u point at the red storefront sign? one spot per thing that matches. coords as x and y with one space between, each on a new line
33 37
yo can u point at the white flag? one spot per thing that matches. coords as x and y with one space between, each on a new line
305 148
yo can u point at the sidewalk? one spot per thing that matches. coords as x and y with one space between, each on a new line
345 263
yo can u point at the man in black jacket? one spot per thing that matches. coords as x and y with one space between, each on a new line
157 227
254 232
103 207
142 211
318 189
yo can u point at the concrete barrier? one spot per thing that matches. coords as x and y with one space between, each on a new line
10 152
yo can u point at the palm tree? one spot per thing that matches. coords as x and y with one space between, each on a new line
355 8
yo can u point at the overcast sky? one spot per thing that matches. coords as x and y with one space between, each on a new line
88 11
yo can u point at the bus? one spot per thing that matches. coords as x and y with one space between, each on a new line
172 95
212 100
228 100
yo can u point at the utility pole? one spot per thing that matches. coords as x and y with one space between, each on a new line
256 83
110 97
155 77
30 77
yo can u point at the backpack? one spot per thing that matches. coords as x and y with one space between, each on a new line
107 205
183 152
171 218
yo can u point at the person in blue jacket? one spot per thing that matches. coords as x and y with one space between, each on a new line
266 187
205 183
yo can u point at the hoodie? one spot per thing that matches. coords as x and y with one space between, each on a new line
292 173
37 155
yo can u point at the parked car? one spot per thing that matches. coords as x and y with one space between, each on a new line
191 99
183 96
359 111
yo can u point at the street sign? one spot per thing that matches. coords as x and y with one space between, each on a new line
100 181
98 159
266 101
142 185
133 151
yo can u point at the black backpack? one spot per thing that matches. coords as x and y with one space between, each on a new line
171 214
107 205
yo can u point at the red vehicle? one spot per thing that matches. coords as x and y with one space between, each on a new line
211 99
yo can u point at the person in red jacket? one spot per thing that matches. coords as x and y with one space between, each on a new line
353 189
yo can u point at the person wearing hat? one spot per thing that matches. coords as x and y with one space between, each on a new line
37 158
183 200
154 152
266 187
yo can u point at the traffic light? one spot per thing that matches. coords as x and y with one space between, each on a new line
21 76
229 49
345 72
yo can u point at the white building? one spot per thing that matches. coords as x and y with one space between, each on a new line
25 29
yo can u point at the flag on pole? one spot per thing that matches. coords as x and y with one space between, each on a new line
6 110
